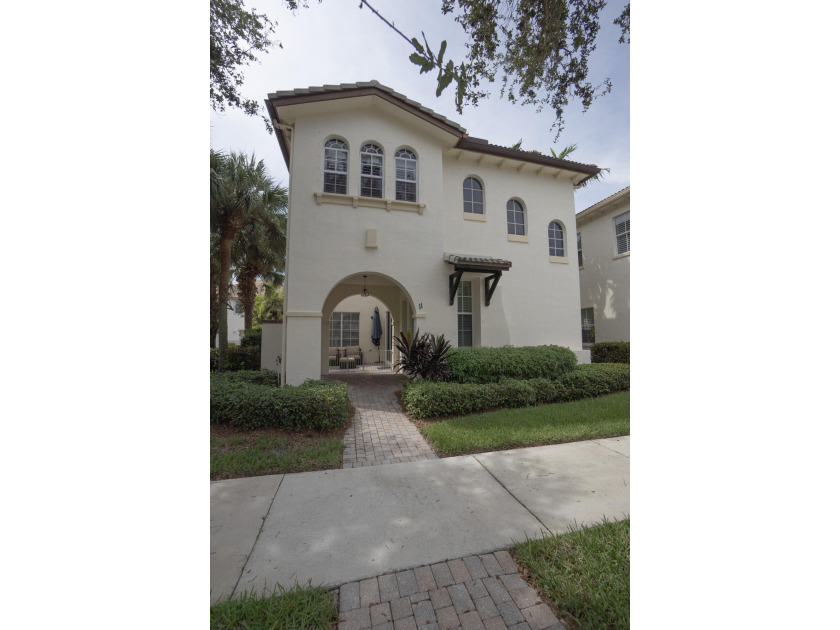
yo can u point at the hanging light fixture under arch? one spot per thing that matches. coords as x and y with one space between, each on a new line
365 292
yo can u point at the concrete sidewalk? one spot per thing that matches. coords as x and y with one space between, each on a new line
339 526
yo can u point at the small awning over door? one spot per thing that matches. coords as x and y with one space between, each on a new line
477 264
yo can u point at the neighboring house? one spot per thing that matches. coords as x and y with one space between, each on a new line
603 243
455 235
235 321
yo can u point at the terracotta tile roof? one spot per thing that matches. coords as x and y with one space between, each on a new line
351 87
460 259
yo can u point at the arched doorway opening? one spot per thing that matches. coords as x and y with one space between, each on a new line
354 322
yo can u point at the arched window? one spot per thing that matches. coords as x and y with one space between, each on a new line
372 169
335 166
473 196
405 163
515 218
556 243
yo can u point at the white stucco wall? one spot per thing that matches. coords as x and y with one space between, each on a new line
536 301
235 323
605 276
271 345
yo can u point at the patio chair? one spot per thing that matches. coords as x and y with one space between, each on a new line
355 352
333 355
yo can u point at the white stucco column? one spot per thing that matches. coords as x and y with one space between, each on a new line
303 346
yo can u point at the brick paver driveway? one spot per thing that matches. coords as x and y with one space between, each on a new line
380 433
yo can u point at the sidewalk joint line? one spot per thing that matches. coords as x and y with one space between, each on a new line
259 533
548 529
608 448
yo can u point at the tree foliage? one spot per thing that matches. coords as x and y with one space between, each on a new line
539 49
241 193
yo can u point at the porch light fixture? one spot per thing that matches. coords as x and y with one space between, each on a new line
365 292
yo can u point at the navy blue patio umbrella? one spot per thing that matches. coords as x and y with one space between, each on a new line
376 332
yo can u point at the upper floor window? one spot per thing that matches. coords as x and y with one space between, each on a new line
473 196
515 218
372 169
406 167
580 251
335 166
556 243
622 233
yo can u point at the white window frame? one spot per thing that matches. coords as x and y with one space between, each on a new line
553 249
409 166
472 204
580 250
465 314
333 154
587 325
368 153
515 225
622 229
345 328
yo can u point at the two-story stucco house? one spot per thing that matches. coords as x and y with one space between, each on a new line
453 234
603 245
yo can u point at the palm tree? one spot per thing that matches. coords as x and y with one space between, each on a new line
269 305
241 192
259 252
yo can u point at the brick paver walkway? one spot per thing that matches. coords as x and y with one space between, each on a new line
474 593
380 433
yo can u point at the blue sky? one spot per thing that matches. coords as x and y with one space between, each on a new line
336 42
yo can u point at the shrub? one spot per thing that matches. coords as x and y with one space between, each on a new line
490 365
611 352
432 400
318 405
257 377
252 337
239 358
424 356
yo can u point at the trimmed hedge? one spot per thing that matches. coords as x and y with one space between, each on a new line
491 365
317 405
257 377
239 358
433 400
611 352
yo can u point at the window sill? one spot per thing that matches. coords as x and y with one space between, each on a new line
559 259
472 216
516 238
624 255
369 202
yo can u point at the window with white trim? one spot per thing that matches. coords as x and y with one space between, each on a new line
580 251
556 242
515 218
465 315
373 167
622 233
587 325
405 165
335 166
344 330
473 196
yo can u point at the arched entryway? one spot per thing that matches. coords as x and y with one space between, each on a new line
381 290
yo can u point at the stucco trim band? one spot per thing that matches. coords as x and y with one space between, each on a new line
369 202
304 314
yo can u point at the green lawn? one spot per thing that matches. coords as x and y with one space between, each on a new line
235 453
605 416
586 572
296 609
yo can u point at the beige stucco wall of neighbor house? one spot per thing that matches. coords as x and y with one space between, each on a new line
536 301
235 323
605 276
271 344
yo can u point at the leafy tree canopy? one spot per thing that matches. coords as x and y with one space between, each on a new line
236 36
